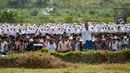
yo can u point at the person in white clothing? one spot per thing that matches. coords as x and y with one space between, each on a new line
86 35
52 46
3 47
114 44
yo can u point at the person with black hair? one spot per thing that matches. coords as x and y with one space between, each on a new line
3 47
51 46
63 46
86 35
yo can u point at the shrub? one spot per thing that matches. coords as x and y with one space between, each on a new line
95 56
44 50
8 16
46 19
69 19
92 12
51 20
34 12
11 60
33 60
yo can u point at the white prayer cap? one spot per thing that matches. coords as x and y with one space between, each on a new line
27 37
103 39
47 37
71 37
31 40
115 37
81 40
125 37
41 41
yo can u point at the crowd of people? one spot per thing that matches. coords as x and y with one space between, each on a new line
109 28
63 37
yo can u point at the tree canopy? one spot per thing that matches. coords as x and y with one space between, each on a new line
62 3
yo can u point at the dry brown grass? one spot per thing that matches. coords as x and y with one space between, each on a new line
33 61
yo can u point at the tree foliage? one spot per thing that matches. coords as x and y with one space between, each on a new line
8 16
65 10
80 4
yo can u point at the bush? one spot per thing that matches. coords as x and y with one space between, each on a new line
69 19
46 19
51 20
11 60
44 50
92 12
82 57
33 60
8 16
95 56
34 12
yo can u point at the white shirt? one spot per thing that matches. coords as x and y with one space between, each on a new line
41 40
115 45
86 35
52 47
3 46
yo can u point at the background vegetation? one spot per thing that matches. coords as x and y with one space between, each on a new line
18 11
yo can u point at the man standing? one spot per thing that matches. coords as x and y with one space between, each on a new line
86 35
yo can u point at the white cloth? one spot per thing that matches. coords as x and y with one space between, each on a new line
52 47
115 45
86 35
3 46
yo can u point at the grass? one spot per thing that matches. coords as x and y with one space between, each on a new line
59 19
79 68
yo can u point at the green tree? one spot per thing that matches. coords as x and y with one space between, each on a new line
18 3
42 3
34 12
3 4
8 16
